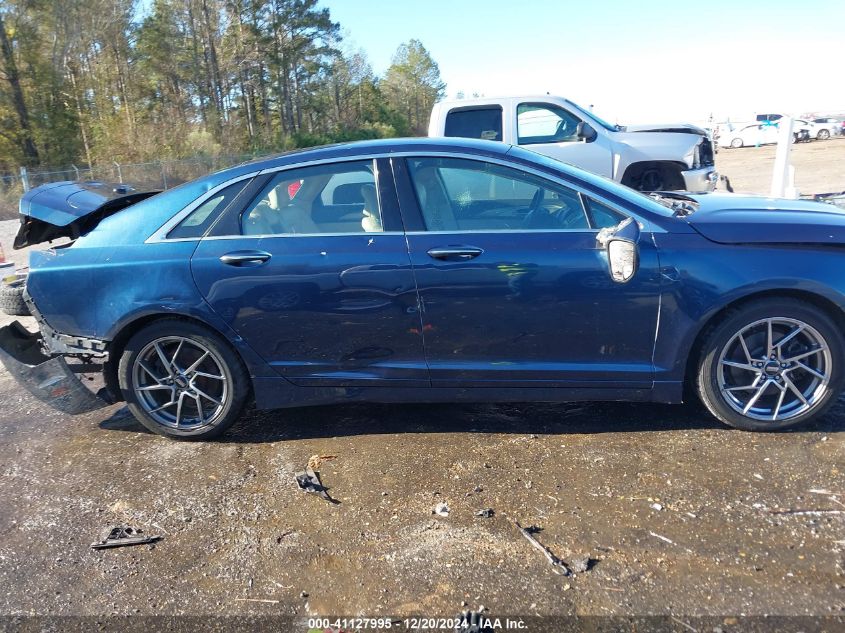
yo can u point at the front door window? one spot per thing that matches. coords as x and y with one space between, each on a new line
545 123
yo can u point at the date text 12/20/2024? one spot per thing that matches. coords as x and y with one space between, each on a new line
458 624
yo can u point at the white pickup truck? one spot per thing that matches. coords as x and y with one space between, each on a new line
645 157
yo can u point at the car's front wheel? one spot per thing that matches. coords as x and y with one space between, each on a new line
771 365
736 143
182 381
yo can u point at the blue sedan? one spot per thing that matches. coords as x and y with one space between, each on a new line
418 270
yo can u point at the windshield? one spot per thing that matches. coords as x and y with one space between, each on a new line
646 202
594 117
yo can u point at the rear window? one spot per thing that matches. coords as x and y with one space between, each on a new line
483 123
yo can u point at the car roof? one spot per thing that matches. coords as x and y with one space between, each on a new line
382 146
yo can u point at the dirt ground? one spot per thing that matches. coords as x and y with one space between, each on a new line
679 516
819 167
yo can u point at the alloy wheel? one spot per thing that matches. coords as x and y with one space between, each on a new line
775 369
180 383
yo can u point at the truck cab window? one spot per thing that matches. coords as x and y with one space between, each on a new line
483 123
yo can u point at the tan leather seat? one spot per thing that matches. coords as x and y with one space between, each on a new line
296 220
436 208
371 221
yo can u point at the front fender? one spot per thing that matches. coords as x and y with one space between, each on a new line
700 279
646 147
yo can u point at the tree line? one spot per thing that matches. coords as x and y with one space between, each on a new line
93 81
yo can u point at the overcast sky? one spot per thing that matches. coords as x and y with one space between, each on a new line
636 61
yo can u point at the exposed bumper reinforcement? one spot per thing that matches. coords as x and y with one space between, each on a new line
49 379
700 180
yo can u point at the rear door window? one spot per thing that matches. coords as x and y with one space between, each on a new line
484 123
333 198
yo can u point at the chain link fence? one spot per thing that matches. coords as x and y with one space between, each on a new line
143 176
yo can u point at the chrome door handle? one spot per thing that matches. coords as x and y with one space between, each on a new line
245 258
460 253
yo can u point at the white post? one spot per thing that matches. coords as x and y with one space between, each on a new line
24 179
780 174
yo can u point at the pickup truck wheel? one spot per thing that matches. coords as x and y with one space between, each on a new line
654 177
11 300
651 180
771 365
182 381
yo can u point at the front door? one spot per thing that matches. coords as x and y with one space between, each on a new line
314 274
551 129
514 287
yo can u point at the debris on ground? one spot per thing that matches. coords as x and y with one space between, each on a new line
281 536
441 509
309 481
580 564
122 536
656 506
265 600
557 564
662 538
473 621
486 513
315 461
807 512
824 491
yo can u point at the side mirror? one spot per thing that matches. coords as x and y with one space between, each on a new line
620 243
585 132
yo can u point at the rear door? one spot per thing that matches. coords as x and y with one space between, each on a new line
514 287
313 272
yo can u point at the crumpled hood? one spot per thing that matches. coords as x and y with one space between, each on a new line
741 219
70 209
681 128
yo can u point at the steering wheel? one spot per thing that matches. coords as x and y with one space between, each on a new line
570 218
538 216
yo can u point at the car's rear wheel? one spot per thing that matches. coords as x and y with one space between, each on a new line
823 135
771 365
736 143
182 381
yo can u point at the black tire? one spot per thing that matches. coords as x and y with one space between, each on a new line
736 143
11 300
823 135
229 402
654 177
718 339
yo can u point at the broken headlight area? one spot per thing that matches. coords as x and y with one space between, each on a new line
50 378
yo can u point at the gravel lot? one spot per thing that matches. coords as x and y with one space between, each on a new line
819 167
678 514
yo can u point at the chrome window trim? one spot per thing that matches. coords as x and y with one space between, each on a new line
509 231
161 234
267 236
